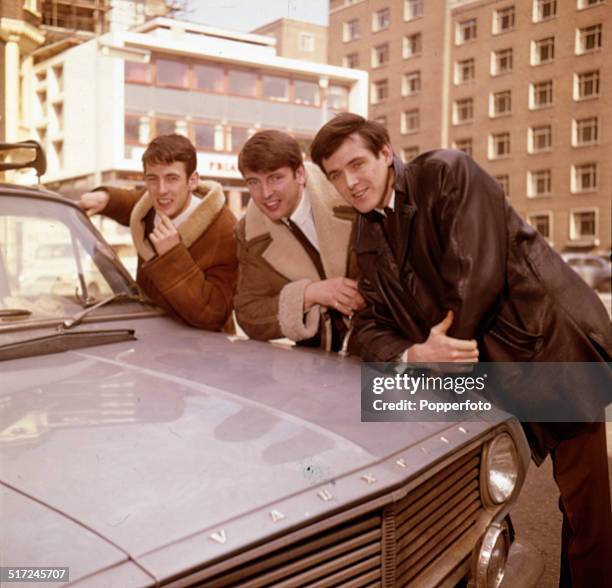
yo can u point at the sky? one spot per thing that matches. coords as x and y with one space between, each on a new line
246 15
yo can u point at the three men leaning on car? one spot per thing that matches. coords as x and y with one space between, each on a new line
296 270
183 233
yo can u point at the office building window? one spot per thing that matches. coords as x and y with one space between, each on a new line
351 30
412 45
539 139
465 145
410 121
542 223
589 3
499 145
539 183
413 9
381 19
583 224
380 55
586 85
409 153
275 88
411 83
242 83
501 103
137 129
463 111
588 39
540 94
140 73
236 138
204 136
380 91
501 62
542 51
351 60
465 31
465 70
504 182
306 93
172 73
306 42
544 9
503 20
584 177
337 97
208 78
585 131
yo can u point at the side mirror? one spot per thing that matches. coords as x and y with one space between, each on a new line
22 155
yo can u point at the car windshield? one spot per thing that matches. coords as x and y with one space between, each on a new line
52 261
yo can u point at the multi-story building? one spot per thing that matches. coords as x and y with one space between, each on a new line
518 84
98 104
19 37
297 39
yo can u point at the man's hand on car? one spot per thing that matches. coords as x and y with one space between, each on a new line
339 293
164 236
439 347
94 202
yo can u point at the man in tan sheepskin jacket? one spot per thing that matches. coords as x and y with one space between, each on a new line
183 233
296 271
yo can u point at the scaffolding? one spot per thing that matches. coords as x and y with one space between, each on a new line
76 15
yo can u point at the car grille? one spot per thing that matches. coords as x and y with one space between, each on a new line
397 545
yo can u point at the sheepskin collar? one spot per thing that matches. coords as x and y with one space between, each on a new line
285 254
190 229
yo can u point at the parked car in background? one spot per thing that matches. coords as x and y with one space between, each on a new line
595 270
141 452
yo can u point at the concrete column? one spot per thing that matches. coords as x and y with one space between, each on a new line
11 88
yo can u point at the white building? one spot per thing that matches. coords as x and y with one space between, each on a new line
97 105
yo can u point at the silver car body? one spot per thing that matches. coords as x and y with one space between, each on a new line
186 458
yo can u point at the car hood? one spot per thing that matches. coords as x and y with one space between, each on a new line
152 445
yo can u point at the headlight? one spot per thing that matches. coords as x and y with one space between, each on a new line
490 562
501 468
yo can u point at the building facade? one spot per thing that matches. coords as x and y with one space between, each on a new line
297 39
97 105
521 85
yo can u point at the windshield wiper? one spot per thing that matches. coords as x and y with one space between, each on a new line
77 319
14 313
63 341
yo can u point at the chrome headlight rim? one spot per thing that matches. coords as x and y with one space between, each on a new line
496 535
494 493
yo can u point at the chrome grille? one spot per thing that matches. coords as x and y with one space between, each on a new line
414 541
348 555
435 515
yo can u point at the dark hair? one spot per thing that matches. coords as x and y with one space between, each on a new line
332 134
166 149
268 150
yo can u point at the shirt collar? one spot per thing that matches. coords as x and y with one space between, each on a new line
391 205
303 211
194 201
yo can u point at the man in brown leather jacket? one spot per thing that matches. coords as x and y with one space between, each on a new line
183 233
442 251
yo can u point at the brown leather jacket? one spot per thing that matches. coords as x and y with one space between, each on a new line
193 282
460 246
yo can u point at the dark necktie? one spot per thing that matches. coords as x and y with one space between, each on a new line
389 225
310 249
